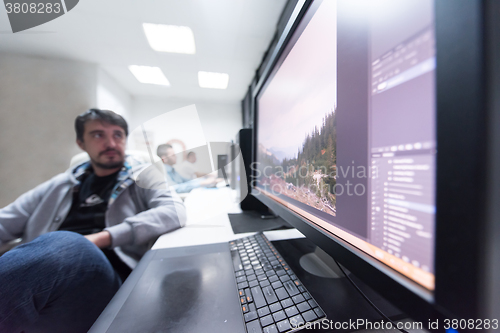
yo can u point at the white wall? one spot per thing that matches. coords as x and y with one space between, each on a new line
220 121
39 100
111 96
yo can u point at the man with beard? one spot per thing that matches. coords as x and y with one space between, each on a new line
83 231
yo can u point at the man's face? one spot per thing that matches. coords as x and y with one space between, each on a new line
170 158
105 144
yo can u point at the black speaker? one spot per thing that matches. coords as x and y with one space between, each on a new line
245 139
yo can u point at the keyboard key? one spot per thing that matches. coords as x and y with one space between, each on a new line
306 296
243 300
258 297
291 288
241 279
304 306
277 284
296 321
270 295
251 277
280 315
264 311
244 308
291 311
253 283
309 315
302 289
254 327
259 271
264 283
286 302
268 268
273 278
319 312
275 307
312 303
298 299
242 285
241 293
280 272
251 307
270 329
297 282
267 320
283 326
284 278
250 316
239 273
262 277
281 293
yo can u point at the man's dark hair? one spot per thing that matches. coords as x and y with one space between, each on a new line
105 116
162 149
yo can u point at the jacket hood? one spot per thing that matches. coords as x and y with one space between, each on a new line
131 167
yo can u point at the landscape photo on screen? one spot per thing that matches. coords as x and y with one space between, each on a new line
296 135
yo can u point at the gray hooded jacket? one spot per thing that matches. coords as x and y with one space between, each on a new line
135 217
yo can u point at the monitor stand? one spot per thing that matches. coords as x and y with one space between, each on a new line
319 263
331 289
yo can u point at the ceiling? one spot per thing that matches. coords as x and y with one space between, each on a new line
231 37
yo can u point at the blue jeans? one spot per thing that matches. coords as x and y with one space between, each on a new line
59 282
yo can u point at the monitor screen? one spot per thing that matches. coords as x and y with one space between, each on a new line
346 133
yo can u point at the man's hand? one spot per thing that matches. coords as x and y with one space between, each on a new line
101 239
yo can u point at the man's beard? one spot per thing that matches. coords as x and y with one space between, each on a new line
110 165
113 165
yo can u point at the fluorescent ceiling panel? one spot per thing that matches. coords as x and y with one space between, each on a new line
146 74
170 38
213 80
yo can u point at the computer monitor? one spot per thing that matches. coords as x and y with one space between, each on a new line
370 138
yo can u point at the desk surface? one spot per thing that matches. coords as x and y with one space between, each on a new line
208 222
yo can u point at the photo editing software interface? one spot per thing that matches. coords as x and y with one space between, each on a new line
346 129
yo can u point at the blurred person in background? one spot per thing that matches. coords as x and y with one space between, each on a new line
178 182
187 168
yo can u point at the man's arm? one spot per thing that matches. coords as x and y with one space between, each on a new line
13 217
187 186
165 212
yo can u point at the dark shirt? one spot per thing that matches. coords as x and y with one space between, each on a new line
87 213
90 201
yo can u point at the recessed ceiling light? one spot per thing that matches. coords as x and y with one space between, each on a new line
170 38
146 74
213 80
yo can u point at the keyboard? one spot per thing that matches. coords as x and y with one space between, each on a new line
272 298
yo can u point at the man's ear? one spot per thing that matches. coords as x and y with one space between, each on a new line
80 144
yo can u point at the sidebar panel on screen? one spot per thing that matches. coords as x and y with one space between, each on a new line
402 140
